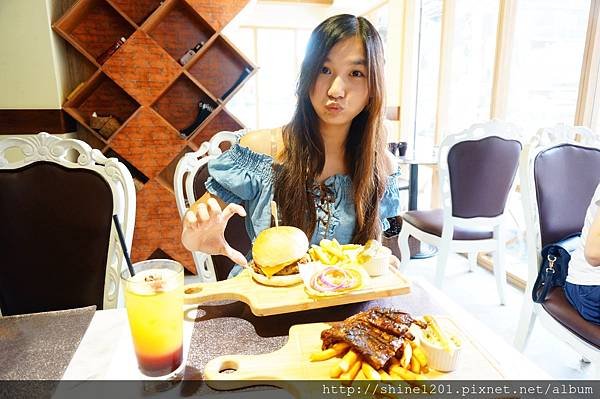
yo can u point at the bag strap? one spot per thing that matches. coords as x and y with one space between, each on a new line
547 275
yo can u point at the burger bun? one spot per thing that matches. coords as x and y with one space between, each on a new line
276 253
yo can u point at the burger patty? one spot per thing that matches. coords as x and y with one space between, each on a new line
292 268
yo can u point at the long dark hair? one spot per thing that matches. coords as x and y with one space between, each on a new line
304 151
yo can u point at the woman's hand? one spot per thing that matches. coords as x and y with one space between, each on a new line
204 229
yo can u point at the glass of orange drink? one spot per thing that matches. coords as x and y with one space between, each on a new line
154 302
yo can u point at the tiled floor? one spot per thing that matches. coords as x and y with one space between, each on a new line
476 292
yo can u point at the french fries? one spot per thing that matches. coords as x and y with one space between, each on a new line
406 354
328 353
351 373
404 373
348 360
369 251
411 364
318 253
331 252
415 366
335 371
384 376
370 372
419 354
333 247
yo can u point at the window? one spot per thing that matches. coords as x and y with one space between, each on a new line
276 57
243 103
472 67
546 62
428 72
268 99
379 17
545 70
595 123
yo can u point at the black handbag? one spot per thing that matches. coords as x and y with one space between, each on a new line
552 273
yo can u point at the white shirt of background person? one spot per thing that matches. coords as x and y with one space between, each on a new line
580 271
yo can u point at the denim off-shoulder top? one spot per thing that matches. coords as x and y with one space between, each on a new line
245 177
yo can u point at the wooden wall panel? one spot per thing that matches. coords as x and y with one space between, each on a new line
142 68
218 69
179 105
108 98
157 225
148 142
137 10
179 31
218 13
222 121
99 28
145 71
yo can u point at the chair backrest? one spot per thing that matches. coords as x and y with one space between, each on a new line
477 169
560 169
562 174
58 246
566 177
190 176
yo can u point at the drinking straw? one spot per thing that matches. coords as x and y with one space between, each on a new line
123 246
274 213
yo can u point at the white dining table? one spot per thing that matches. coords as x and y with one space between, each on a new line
106 350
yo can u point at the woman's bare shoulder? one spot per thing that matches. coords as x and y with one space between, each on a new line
260 140
390 162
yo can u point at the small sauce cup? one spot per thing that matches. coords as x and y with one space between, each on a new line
439 358
379 264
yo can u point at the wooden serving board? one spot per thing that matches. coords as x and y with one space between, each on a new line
265 300
290 365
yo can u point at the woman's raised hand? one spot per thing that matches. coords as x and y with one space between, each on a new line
204 229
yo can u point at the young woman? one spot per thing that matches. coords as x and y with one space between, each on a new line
582 288
328 169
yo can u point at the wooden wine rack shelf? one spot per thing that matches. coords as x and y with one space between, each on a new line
153 97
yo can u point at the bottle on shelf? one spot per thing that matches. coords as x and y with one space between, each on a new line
102 58
245 73
105 125
190 53
203 111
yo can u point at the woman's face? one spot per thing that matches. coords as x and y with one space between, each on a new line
341 90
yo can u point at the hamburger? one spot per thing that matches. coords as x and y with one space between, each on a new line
276 253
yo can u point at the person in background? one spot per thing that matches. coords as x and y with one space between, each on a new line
582 287
328 169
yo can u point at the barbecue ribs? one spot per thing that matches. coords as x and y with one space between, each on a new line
376 334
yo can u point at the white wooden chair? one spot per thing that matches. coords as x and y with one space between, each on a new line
558 178
477 168
59 248
188 170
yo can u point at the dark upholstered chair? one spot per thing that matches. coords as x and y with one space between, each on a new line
58 247
190 175
558 178
477 168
